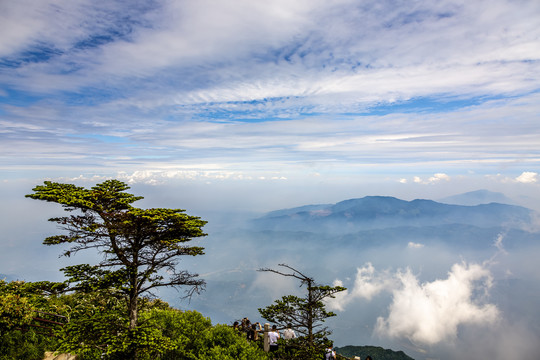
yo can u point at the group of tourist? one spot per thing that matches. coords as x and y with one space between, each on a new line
252 332
273 336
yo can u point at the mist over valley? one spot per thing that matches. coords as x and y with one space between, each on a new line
432 279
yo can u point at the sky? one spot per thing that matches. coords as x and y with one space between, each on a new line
380 92
246 107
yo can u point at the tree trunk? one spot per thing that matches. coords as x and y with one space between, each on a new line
310 314
132 308
133 312
133 297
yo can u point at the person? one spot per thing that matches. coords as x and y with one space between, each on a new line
246 324
273 337
288 333
253 333
236 326
368 358
330 353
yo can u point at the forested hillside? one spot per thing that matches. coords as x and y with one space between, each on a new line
376 353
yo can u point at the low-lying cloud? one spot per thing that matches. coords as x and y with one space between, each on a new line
527 177
425 313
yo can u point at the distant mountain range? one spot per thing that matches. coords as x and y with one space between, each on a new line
380 212
477 197
374 221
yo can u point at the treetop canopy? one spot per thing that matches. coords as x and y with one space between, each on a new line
107 196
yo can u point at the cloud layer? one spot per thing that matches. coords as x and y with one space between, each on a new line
102 87
426 313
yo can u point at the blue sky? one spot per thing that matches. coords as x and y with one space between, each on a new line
162 91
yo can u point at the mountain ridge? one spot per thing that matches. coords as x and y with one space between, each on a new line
376 212
477 197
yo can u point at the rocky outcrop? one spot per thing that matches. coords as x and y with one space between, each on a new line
49 355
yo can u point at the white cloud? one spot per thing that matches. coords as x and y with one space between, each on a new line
439 177
432 179
195 83
425 313
499 243
367 284
527 177
331 52
431 313
205 32
413 245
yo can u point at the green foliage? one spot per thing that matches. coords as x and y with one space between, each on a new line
301 349
98 325
28 345
306 315
164 333
195 338
88 278
19 302
108 315
98 328
145 341
105 197
15 312
140 247
96 321
375 352
300 312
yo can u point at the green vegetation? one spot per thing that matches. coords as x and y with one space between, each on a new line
27 345
97 329
140 249
376 353
20 338
306 315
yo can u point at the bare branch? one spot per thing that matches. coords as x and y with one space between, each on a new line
295 273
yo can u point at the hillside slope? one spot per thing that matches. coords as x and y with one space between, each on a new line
375 352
